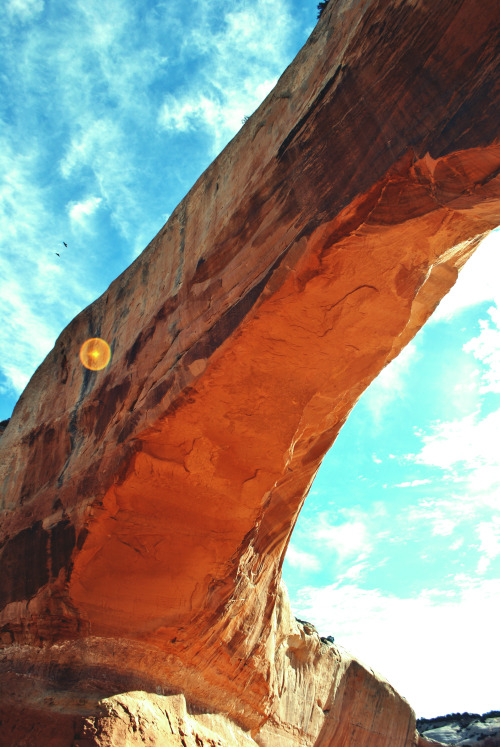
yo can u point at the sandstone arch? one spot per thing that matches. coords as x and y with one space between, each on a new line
146 509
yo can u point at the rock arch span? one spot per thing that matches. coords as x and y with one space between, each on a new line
146 508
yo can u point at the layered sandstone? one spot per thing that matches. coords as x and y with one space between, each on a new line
146 508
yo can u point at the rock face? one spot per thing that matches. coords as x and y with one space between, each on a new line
146 508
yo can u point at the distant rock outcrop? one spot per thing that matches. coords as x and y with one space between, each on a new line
463 729
146 508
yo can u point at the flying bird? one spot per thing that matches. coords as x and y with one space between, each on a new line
65 244
58 254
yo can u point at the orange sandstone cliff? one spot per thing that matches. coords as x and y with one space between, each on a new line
146 508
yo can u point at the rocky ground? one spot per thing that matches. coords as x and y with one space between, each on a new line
463 729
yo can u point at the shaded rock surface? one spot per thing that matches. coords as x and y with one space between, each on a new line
146 508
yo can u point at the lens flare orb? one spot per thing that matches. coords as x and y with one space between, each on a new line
95 354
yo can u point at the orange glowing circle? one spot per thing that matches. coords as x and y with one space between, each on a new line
95 354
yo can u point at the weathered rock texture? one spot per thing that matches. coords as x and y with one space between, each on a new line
147 507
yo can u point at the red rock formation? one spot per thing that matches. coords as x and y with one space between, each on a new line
146 508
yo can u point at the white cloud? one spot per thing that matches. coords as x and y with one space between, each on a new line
85 89
489 536
470 442
237 65
95 145
31 301
348 539
188 115
486 348
80 212
102 147
477 283
301 560
466 449
38 295
435 648
412 483
26 342
100 69
355 572
466 452
443 527
439 516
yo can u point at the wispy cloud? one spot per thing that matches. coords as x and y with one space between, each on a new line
486 348
236 67
31 307
23 344
465 459
55 92
471 443
101 147
348 539
465 449
80 212
436 516
301 560
389 385
412 483
187 115
24 10
489 537
100 100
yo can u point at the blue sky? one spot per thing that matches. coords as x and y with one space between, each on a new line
109 112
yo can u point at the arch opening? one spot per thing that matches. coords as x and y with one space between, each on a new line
396 552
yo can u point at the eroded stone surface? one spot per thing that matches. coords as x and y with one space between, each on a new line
146 508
